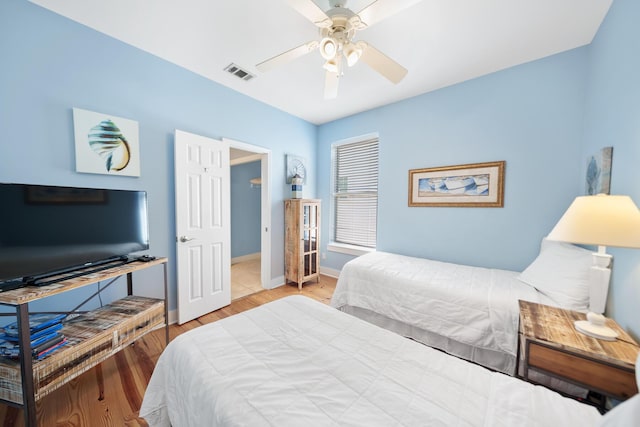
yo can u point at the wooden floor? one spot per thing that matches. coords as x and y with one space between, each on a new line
111 393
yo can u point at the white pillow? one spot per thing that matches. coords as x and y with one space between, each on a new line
561 272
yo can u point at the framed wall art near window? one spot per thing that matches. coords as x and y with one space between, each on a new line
472 185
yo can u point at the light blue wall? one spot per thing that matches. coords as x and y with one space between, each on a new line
245 210
613 119
51 64
530 116
543 118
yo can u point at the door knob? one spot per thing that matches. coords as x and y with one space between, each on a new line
184 239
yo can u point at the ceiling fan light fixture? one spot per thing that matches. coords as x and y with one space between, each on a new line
352 52
328 48
331 65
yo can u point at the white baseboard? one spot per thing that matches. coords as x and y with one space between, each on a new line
279 281
248 257
173 316
276 282
329 272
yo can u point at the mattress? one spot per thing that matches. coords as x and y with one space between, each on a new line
295 362
458 308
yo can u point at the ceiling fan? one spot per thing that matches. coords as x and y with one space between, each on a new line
338 27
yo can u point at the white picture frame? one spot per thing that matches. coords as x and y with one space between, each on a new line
106 144
296 165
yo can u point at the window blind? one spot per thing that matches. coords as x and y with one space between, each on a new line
356 193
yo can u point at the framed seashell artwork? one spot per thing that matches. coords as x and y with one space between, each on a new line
106 144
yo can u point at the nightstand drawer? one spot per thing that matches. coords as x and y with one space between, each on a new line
595 375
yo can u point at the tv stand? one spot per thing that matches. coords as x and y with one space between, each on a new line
93 337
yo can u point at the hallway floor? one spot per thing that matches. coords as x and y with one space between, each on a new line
245 278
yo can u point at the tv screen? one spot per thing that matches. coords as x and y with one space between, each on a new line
47 229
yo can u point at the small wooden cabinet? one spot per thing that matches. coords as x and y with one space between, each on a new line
302 240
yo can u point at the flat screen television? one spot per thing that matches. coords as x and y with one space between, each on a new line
47 230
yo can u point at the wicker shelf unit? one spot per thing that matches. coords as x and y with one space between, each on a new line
92 336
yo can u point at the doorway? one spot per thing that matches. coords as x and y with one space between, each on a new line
250 219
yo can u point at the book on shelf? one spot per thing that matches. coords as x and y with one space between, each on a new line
47 351
45 336
37 323
36 336
9 349
42 348
57 338
34 341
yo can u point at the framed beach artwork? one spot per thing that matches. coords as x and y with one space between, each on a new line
472 185
598 179
106 144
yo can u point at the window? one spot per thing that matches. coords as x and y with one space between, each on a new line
355 192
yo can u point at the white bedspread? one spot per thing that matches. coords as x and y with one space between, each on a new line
297 362
471 305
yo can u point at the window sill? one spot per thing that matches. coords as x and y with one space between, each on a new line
348 249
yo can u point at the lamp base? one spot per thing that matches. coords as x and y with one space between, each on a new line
596 331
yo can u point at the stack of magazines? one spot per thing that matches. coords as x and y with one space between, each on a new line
46 336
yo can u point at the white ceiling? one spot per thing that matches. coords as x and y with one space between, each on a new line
440 42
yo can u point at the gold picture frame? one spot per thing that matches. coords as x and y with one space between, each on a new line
471 185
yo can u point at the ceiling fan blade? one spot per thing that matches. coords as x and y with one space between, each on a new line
287 56
382 63
381 9
312 12
330 85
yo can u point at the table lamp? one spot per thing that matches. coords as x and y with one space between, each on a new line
600 220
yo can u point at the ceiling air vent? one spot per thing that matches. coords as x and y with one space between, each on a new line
238 72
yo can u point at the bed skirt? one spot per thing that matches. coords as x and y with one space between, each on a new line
489 358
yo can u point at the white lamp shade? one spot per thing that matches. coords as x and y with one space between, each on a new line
600 220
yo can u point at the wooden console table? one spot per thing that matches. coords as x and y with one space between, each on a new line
92 336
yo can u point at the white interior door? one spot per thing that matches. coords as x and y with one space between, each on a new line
203 231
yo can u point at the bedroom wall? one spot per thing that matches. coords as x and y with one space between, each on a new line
51 64
612 119
544 118
531 116
245 210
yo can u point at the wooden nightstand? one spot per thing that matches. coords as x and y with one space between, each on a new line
549 343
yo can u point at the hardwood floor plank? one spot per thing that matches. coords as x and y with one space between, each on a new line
10 415
111 393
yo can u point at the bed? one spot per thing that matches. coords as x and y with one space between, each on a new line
470 312
295 362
